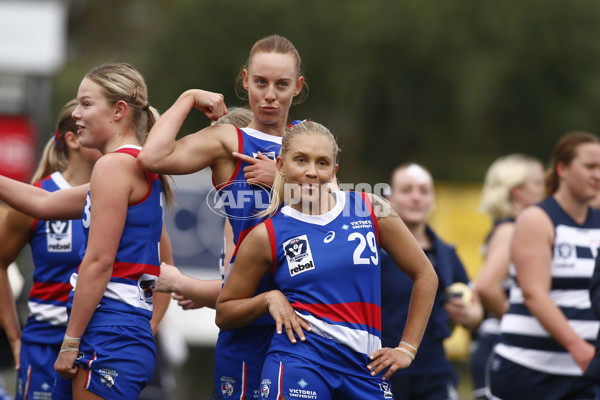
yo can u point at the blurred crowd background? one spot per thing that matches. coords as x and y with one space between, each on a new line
451 85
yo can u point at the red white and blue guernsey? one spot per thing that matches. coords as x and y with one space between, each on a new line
240 353
328 267
55 247
240 200
137 262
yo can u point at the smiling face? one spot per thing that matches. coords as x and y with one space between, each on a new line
93 116
307 167
412 194
272 81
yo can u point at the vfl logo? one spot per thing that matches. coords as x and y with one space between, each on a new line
298 254
59 236
564 250
385 388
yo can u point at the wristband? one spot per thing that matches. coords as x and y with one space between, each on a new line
409 346
407 352
70 344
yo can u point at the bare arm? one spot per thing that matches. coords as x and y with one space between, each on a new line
41 204
109 198
160 301
402 247
162 153
495 270
14 235
237 306
531 251
203 293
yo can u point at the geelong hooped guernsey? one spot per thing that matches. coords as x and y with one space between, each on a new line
55 247
524 340
328 267
136 267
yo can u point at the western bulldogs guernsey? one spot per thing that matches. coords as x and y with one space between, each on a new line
242 201
524 340
137 261
55 246
328 267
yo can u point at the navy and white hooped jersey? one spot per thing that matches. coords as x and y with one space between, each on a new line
55 247
524 340
137 262
328 267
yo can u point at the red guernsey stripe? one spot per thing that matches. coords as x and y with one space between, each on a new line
271 232
356 313
372 211
50 291
133 271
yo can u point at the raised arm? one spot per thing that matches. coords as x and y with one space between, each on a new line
399 243
41 204
531 252
14 235
162 153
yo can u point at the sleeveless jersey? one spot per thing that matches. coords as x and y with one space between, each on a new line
524 340
55 247
136 267
242 201
328 267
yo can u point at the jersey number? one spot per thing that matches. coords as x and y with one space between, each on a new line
86 213
362 244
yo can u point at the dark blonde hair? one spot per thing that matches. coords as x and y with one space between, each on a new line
121 81
238 116
502 176
55 156
287 142
273 44
564 152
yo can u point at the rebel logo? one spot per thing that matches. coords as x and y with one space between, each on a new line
298 255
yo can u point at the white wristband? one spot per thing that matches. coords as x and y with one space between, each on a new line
409 345
407 352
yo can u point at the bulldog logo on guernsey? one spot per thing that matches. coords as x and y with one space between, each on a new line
298 254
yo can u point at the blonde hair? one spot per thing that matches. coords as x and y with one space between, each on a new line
238 116
287 142
122 82
274 44
502 176
55 156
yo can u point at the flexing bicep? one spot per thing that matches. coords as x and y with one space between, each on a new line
252 262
